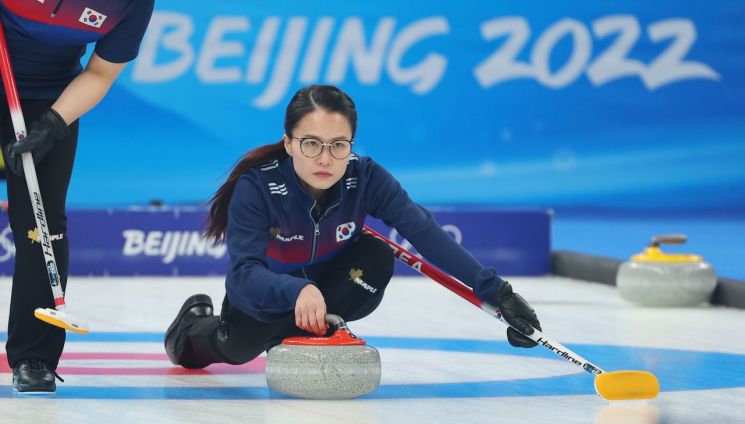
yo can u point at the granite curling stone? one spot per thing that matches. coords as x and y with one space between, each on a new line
654 278
341 366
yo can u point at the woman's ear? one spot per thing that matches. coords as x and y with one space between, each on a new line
288 144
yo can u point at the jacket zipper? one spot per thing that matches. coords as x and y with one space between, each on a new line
56 8
316 230
316 233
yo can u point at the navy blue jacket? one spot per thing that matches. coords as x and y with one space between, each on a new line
46 39
277 245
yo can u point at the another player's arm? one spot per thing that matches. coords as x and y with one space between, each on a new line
87 89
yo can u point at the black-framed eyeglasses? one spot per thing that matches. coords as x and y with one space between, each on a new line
313 147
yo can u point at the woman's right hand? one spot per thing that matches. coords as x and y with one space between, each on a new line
310 310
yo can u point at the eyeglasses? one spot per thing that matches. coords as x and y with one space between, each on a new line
312 148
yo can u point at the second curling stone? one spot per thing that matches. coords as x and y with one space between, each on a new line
341 366
655 278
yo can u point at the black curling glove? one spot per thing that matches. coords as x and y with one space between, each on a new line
518 314
43 133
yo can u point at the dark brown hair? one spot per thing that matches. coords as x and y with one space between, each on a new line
305 101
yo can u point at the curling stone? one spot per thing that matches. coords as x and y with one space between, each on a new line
655 278
341 366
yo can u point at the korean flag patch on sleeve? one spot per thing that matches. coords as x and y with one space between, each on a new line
92 18
345 231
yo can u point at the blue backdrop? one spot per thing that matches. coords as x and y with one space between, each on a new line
541 103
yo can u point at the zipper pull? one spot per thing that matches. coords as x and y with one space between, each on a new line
317 230
56 9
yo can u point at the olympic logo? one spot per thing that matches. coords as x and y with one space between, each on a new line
7 246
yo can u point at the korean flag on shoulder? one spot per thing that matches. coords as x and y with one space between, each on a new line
92 18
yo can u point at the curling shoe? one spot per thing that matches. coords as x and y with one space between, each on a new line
195 307
32 376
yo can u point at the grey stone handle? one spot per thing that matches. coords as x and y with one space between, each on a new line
339 323
335 320
668 239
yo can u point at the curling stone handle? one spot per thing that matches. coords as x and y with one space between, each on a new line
335 320
339 324
668 239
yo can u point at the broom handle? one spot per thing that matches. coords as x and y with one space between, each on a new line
19 125
466 293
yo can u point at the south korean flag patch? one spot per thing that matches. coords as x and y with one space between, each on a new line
92 18
345 231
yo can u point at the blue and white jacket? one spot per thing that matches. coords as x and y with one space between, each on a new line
277 245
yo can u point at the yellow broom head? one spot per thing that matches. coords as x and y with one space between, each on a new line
627 385
62 320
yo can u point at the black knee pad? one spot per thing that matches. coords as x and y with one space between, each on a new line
356 281
376 258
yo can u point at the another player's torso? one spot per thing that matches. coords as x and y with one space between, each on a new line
63 22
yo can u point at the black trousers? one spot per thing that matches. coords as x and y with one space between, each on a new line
248 337
29 337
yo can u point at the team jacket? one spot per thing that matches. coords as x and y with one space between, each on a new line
46 38
277 244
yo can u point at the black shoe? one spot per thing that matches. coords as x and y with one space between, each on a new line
197 306
32 376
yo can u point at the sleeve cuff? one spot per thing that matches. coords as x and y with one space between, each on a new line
486 283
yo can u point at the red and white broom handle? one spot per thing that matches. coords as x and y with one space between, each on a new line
466 293
19 125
